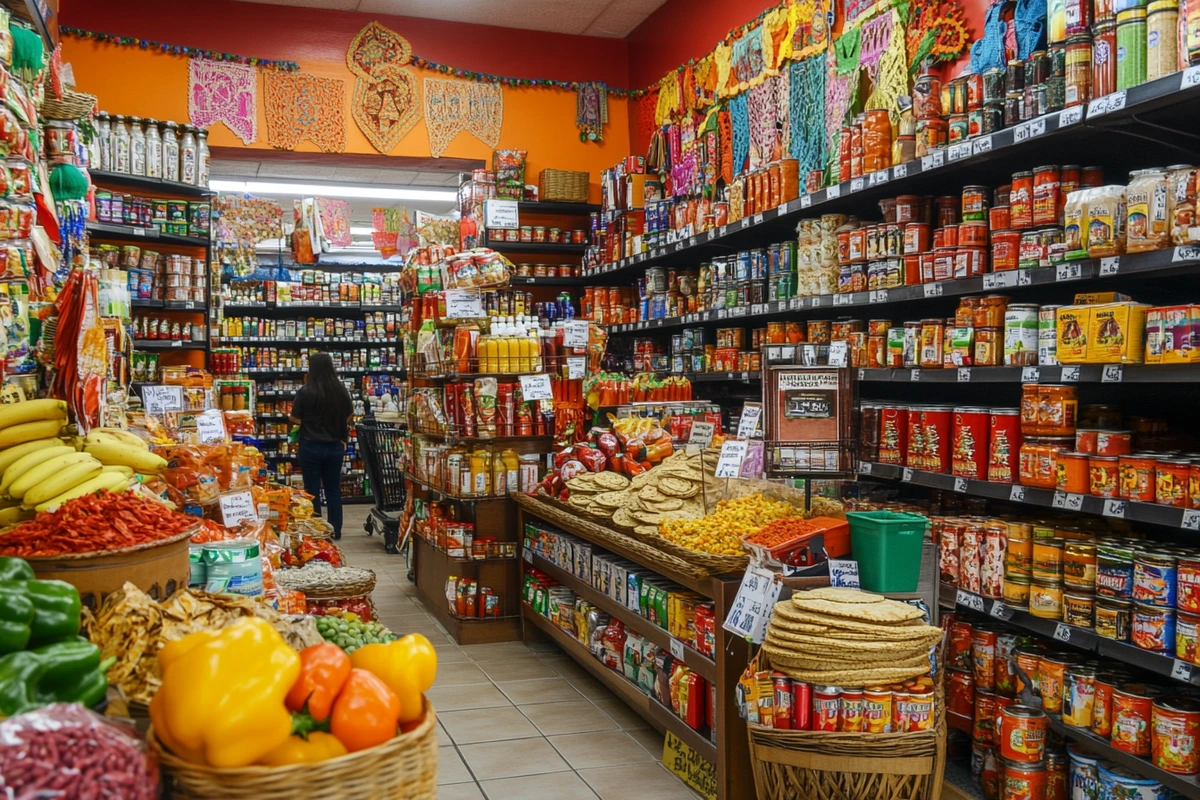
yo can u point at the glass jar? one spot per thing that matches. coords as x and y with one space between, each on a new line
120 138
103 142
188 156
137 147
1079 69
153 150
1162 45
1104 58
203 159
1131 48
170 151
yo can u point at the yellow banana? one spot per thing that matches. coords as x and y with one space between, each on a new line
9 456
125 455
118 468
13 515
32 411
41 472
61 481
29 461
105 481
122 435
28 431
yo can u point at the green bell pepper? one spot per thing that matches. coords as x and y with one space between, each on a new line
16 614
56 609
15 569
63 672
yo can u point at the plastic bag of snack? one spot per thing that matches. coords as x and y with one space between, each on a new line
593 459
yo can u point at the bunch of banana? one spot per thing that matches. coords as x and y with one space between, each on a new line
32 420
113 447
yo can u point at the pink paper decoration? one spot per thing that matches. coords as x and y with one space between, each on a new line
221 92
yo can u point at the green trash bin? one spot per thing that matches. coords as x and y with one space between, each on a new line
887 546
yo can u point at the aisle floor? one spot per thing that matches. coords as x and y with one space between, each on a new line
517 721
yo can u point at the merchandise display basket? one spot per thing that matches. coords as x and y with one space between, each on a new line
563 186
404 768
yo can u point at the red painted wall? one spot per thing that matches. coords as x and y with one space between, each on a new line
312 34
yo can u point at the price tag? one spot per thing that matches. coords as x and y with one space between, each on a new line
862 374
1191 520
527 554
676 649
797 302
808 355
1003 612
745 223
139 231
758 308
1021 133
981 145
1112 373
1181 670
576 367
864 468
702 434
964 374
843 573
501 214
960 484
856 185
880 177
1069 375
878 296
906 474
838 352
1074 502
733 452
833 191
914 376
969 600
575 334
1069 271
933 289
818 300
755 601
464 303
1069 116
900 171
841 299
1107 104
1024 277
1030 374
1038 126
1062 632
805 200
210 427
1110 266
748 423
1186 253
536 387
1017 494
236 507
161 399
1114 508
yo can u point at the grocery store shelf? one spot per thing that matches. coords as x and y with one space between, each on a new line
477 439
1188 785
307 307
130 233
340 370
662 718
983 155
167 344
185 305
535 247
1129 510
552 207
744 376
1081 638
532 280
700 664
307 340
458 498
145 303
1079 373
156 186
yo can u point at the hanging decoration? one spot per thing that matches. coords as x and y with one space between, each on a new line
386 103
219 92
807 102
393 233
935 29
177 49
739 113
335 221
454 106
810 24
763 123
300 106
591 111
1010 31
888 62
643 116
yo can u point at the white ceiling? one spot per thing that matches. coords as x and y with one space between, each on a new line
612 19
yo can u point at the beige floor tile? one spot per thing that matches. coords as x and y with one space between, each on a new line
518 668
472 727
542 690
572 717
450 654
486 652
599 749
555 786
566 666
620 713
458 698
460 791
645 780
650 739
451 768
591 688
513 758
443 737
459 675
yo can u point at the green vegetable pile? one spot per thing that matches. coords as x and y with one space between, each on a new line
349 632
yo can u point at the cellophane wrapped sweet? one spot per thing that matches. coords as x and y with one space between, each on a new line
64 752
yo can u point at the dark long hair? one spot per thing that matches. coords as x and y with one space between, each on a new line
329 395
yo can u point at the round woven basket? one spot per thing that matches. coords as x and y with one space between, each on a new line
404 768
328 584
73 105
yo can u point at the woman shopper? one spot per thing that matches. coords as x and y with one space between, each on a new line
323 410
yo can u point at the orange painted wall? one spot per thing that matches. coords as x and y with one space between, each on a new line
540 121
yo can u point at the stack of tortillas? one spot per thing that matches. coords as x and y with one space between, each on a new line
668 491
848 638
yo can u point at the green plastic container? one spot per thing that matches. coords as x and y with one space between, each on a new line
887 546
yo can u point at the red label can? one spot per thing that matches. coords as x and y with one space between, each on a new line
893 434
1020 200
802 706
960 693
826 707
984 722
1175 728
783 699
1006 247
1057 776
852 719
1022 781
1045 196
969 443
1132 707
935 433
1022 733
999 218
1004 444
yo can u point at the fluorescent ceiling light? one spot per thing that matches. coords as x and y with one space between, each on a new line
321 190
361 230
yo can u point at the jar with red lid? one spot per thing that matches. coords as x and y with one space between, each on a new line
1045 195
1114 443
968 455
858 245
1137 474
912 270
1020 201
973 234
1171 482
975 203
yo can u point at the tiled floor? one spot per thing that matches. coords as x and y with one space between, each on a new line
518 722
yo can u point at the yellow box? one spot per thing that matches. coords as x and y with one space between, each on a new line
1073 325
1097 298
1117 333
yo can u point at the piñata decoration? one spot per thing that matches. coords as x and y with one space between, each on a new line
300 106
454 106
335 220
228 93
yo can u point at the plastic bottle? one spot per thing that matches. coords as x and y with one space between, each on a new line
528 349
535 348
503 341
480 474
499 474
512 467
488 350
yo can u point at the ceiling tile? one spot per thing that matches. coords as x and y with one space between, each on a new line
283 169
620 17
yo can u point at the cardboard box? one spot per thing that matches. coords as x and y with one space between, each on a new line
1099 298
1173 335
1073 326
1117 334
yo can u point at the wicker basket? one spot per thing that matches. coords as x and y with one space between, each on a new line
403 769
563 186
72 105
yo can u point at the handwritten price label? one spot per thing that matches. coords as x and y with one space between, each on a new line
676 649
906 474
856 185
1187 253
914 376
1107 104
1114 508
900 171
1030 374
1070 271
960 484
1062 632
834 191
969 600
933 289
1191 520
536 387
964 374
1113 373
806 201
1070 116
1070 375
1017 494
1110 266
981 145
1190 78
1181 670
1002 612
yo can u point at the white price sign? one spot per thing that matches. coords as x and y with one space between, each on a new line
464 304
914 376
1069 375
960 484
1186 253
856 185
964 374
1070 271
1190 78
900 171
576 367
1106 104
969 600
1017 494
1001 611
161 399
906 475
1191 520
1110 266
210 427
843 573
1114 508
1069 116
733 453
933 289
1181 670
833 191
575 334
864 468
805 200
838 353
501 214
1062 632
676 649
754 603
536 387
1030 374
748 423
1113 373
237 507
702 434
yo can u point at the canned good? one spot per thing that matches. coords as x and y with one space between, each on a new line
1079 564
1048 559
1154 579
1079 685
1022 733
1045 599
826 704
1153 628
1114 619
1132 710
1114 571
1079 609
1022 780
1052 670
1174 731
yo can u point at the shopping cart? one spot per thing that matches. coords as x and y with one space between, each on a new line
381 445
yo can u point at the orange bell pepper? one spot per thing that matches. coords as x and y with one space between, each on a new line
324 669
366 713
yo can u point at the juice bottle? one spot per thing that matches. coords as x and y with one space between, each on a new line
503 343
535 348
491 361
512 467
499 474
527 349
480 475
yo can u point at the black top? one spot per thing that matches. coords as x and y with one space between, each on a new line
321 424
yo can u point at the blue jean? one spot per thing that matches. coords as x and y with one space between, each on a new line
321 465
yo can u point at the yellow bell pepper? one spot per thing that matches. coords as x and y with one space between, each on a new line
221 701
408 666
319 746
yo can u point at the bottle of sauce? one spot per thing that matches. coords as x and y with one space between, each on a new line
120 139
512 469
170 151
153 150
137 147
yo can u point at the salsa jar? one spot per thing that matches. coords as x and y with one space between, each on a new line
1114 619
1103 476
1020 201
1137 476
1154 579
1045 196
1018 558
1058 409
1052 669
1106 683
1171 481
